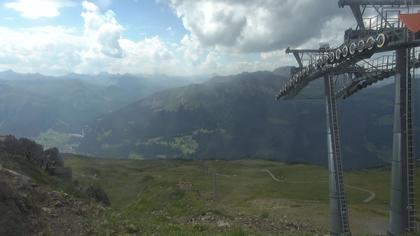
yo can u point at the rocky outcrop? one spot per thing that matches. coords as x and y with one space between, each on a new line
31 209
32 196
49 160
98 194
54 164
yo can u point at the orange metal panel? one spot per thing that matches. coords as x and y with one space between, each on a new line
412 21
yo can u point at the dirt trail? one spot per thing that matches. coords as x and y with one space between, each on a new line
371 196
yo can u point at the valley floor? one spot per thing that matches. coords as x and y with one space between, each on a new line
247 197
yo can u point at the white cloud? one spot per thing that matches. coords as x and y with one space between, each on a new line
102 29
149 56
55 50
250 35
191 50
48 50
230 40
255 25
39 8
332 33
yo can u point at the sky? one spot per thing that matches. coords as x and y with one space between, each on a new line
173 37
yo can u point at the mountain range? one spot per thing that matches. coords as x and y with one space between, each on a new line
226 117
31 104
236 117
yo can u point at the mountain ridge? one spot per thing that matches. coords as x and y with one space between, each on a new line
237 117
30 105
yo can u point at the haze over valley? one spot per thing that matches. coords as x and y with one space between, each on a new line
228 117
210 117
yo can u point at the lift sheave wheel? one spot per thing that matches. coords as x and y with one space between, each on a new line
325 59
331 57
380 40
345 51
338 54
370 43
352 48
361 46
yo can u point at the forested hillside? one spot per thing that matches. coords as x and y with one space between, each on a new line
237 117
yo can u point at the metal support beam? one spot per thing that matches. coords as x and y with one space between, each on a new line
307 51
342 3
402 212
298 59
299 53
338 205
357 13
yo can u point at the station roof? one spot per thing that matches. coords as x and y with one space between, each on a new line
412 21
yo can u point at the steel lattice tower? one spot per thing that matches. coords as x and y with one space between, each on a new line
394 29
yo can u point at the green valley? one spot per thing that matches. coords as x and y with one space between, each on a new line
241 197
236 117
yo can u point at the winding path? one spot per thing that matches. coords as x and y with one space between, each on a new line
371 196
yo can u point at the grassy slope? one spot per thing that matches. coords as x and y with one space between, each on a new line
159 196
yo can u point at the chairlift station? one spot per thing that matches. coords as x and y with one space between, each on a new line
384 44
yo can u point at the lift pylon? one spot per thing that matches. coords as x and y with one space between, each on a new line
402 207
337 199
339 223
393 28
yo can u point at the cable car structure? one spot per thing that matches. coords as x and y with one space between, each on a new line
382 45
